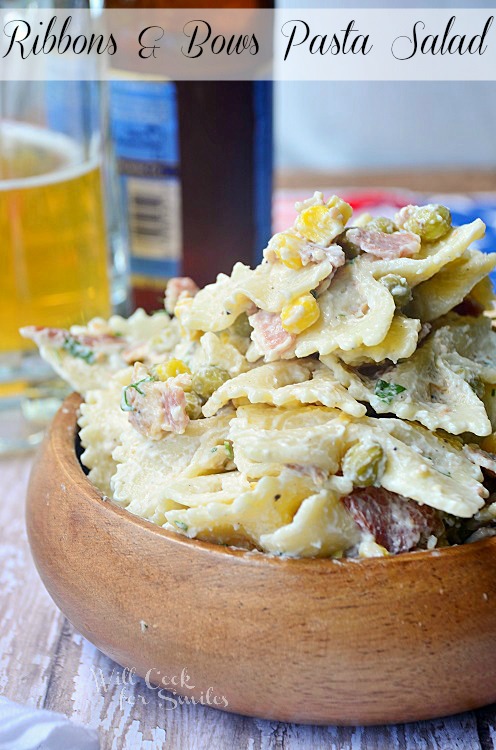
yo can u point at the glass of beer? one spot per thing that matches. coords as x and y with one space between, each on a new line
54 251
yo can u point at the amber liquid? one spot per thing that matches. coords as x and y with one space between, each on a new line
53 247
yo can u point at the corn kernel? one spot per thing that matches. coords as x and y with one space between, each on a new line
170 369
286 247
341 207
489 443
322 224
300 314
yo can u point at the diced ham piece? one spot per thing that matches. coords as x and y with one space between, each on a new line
178 288
158 407
311 253
385 246
395 522
273 341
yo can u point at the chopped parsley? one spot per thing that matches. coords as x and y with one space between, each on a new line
181 525
387 392
125 405
229 449
73 347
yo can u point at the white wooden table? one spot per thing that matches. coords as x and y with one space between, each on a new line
45 663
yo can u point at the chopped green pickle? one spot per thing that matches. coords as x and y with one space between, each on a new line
206 380
364 464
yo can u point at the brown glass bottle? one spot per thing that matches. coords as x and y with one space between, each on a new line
225 171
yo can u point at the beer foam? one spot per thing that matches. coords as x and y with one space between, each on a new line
73 162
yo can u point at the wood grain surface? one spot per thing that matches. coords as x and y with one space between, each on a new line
425 181
44 663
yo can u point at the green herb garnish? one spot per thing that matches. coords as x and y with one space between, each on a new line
181 525
229 449
73 347
125 405
387 392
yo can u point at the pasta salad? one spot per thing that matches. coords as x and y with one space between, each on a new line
337 400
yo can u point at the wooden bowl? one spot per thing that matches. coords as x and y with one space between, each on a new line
315 641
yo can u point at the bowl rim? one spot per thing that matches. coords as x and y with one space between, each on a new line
63 431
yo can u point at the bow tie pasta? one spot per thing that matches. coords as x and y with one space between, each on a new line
339 400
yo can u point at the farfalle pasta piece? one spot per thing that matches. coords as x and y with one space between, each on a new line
207 310
102 424
259 384
145 467
357 310
441 385
265 439
260 516
321 527
424 467
271 286
285 384
199 492
270 504
87 356
442 292
400 342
